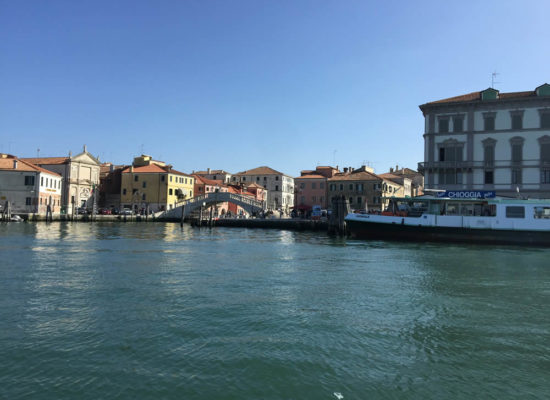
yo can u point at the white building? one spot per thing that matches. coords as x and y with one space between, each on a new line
489 141
27 187
280 187
215 175
80 178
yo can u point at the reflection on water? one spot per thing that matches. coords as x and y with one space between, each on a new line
150 310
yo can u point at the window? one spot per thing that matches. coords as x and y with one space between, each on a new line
544 118
351 200
313 185
302 185
458 124
123 193
29 180
170 192
276 187
257 179
332 187
170 178
451 150
443 125
41 181
28 201
515 212
544 143
516 176
136 178
341 186
244 178
163 178
545 175
489 151
489 177
321 199
489 121
313 199
134 191
542 212
321 185
359 187
302 199
143 196
350 186
517 121
517 152
359 200
144 184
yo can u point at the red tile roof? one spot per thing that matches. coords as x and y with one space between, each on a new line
153 169
6 164
260 171
474 96
311 176
47 160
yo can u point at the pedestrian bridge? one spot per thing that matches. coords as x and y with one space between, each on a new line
249 204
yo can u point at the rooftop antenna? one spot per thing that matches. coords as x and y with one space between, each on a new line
493 77
37 153
142 148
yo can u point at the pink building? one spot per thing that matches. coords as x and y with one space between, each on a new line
311 188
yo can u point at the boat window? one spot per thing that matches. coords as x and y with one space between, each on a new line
515 212
542 212
452 209
467 209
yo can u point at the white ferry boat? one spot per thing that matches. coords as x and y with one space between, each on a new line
457 218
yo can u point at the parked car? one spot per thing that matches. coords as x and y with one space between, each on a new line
105 211
126 211
82 210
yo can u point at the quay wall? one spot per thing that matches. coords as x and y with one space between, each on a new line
288 224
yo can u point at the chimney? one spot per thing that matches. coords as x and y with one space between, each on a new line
132 169
14 164
391 170
111 168
396 167
84 148
345 170
70 153
208 170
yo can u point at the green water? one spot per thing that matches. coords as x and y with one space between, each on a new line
150 311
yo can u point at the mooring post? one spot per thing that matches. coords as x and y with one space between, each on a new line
182 215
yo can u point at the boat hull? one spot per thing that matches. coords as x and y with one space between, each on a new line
394 231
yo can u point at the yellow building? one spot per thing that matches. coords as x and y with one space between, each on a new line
153 185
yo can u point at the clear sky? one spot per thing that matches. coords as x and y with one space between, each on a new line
238 84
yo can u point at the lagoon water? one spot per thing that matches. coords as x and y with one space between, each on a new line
151 311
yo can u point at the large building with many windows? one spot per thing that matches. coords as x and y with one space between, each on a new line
489 140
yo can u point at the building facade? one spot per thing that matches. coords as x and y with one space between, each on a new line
280 187
29 188
489 141
215 175
153 185
204 186
311 188
363 188
80 178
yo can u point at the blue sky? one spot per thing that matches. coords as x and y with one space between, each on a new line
238 84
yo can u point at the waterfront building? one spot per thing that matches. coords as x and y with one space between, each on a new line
204 186
153 185
215 175
253 190
110 182
80 178
311 188
280 187
27 187
489 140
363 188
412 181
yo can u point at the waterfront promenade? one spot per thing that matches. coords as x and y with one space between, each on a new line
110 310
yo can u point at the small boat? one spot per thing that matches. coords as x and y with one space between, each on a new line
457 218
16 218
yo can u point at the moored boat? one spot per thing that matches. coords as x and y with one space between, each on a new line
457 219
